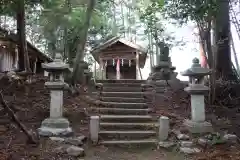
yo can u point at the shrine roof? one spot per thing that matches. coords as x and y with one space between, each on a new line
115 40
6 36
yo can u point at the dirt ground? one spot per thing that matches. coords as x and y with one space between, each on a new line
31 105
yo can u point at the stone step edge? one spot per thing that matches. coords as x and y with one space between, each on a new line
121 103
124 116
140 93
122 109
141 141
120 88
127 132
127 93
128 124
125 98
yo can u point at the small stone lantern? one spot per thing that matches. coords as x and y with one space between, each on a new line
197 90
55 125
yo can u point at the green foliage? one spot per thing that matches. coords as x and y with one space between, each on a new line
195 10
151 15
63 21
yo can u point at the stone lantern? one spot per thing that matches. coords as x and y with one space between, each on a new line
197 90
55 125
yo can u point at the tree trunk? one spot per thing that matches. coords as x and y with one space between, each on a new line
123 19
114 23
22 46
223 59
81 46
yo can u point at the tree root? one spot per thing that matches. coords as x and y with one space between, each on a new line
29 134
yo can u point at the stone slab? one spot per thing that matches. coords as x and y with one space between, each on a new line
55 127
56 123
59 85
197 89
166 144
48 132
56 103
198 127
198 108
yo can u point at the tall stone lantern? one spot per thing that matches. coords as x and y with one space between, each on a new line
162 72
56 124
197 90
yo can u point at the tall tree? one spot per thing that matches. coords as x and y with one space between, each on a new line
222 32
81 46
208 15
21 31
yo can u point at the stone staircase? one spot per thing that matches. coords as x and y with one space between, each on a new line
125 117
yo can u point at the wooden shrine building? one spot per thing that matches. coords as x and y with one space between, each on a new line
9 53
120 59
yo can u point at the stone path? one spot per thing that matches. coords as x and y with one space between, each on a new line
143 153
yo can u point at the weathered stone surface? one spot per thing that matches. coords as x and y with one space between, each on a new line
61 149
163 128
176 132
75 151
186 143
58 139
231 138
187 150
94 128
47 131
166 144
204 142
55 123
198 127
77 141
182 136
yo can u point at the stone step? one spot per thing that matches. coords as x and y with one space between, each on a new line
151 132
122 111
124 94
125 118
124 105
119 126
121 81
129 142
134 85
126 134
123 99
121 88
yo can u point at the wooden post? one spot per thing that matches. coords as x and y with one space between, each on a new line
118 72
16 58
101 68
95 69
137 65
35 66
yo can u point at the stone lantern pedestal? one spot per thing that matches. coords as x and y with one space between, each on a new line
56 124
197 90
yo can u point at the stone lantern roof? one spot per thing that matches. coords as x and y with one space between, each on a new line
196 70
57 65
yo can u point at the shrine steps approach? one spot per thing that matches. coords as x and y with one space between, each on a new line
125 115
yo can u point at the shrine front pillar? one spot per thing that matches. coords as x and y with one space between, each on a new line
101 68
137 66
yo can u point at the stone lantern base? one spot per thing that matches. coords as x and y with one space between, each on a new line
198 127
55 127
